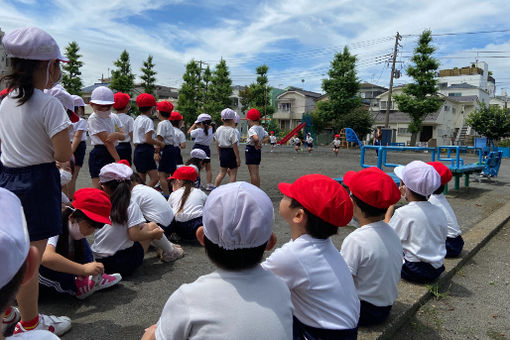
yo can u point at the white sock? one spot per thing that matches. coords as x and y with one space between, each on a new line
163 244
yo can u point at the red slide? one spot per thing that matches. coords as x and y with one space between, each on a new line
289 136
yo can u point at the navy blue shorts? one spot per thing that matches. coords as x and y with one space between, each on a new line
185 230
38 188
79 154
206 149
125 151
420 272
228 158
144 158
124 261
252 155
454 246
98 157
371 314
178 155
301 331
168 160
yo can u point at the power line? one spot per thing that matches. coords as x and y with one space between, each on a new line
460 33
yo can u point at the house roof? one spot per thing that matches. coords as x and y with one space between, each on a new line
367 85
314 95
90 88
402 117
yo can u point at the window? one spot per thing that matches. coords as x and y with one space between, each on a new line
285 106
446 108
454 94
383 105
403 131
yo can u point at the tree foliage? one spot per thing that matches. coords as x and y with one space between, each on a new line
71 76
492 122
360 120
190 95
258 94
148 76
205 84
420 98
219 91
123 80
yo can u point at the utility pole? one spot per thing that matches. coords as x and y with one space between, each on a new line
398 37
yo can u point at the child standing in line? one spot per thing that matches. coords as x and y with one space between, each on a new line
256 136
78 142
180 138
121 106
227 144
373 252
272 141
197 160
454 241
237 119
202 132
326 304
296 142
336 144
143 138
309 142
166 156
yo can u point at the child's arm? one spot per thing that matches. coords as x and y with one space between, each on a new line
145 231
150 333
236 152
61 146
103 136
150 140
76 140
157 149
193 127
389 213
54 261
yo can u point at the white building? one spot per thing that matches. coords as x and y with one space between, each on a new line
477 74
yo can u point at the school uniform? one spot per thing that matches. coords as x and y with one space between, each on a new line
153 205
29 169
422 229
79 153
373 254
252 154
336 144
454 241
144 152
309 142
226 137
124 147
168 155
187 220
272 140
100 156
203 141
296 141
180 138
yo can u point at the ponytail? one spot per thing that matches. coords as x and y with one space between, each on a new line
207 125
188 185
21 78
120 197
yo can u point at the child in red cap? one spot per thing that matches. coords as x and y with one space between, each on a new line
272 140
336 144
373 252
326 304
166 156
256 136
296 142
180 138
121 106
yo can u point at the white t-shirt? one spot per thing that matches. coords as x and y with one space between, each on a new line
272 139
373 254
34 335
337 143
97 124
192 208
256 130
248 304
320 283
309 140
226 136
127 125
141 127
111 238
26 130
422 229
166 131
295 140
153 205
80 125
441 202
180 137
201 138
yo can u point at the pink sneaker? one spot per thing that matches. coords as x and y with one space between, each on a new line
84 287
103 281
11 320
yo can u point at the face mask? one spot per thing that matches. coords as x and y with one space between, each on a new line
50 84
103 114
74 231
65 177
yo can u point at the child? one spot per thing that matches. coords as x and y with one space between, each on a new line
272 141
34 134
421 226
121 246
67 264
202 132
166 156
180 137
373 252
237 119
105 130
254 304
78 138
227 144
326 304
336 144
198 158
296 142
454 241
143 133
121 106
309 142
187 203
256 136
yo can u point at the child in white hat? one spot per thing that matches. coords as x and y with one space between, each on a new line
254 303
202 133
227 144
198 159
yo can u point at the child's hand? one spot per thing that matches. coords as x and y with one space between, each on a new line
150 333
157 233
112 137
156 156
161 144
93 268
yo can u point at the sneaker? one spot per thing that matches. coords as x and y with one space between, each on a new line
176 253
9 322
84 287
103 281
55 324
210 187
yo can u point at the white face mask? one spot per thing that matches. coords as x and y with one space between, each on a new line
50 84
74 231
65 177
103 114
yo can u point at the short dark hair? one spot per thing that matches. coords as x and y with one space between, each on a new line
8 291
316 227
21 77
439 190
415 194
144 109
165 114
367 209
175 123
234 260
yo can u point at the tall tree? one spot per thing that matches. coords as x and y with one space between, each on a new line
123 80
189 96
220 91
246 97
490 121
420 98
71 76
205 87
148 76
261 92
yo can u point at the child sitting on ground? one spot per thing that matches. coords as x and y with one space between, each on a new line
373 252
421 226
326 304
227 143
254 304
197 160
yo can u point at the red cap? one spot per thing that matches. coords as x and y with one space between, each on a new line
73 116
295 134
185 173
175 116
322 196
253 114
94 203
443 171
125 162
4 92
373 186
337 136
145 100
165 106
272 132
121 100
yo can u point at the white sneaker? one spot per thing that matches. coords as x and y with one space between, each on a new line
55 324
106 280
9 322
176 253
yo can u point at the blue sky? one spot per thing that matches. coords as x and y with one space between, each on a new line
297 39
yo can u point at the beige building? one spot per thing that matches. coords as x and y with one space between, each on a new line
292 105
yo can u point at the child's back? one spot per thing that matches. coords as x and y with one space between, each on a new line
192 207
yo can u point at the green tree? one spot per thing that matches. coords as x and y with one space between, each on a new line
205 88
260 92
490 121
246 96
219 91
190 96
420 98
148 76
123 80
71 76
359 119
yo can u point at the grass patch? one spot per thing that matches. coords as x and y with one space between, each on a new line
437 292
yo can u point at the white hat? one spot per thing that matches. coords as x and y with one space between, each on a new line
102 96
78 101
238 215
31 43
419 177
63 96
115 172
198 153
202 118
14 238
237 118
228 114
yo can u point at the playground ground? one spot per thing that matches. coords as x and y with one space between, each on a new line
124 311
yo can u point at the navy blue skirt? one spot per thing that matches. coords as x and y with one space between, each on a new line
38 188
371 314
125 151
253 155
168 160
186 230
301 331
420 272
98 157
144 158
124 261
79 154
454 246
228 158
206 149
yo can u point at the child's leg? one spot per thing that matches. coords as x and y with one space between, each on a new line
164 182
153 178
72 185
143 176
233 175
95 183
254 174
208 173
221 175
